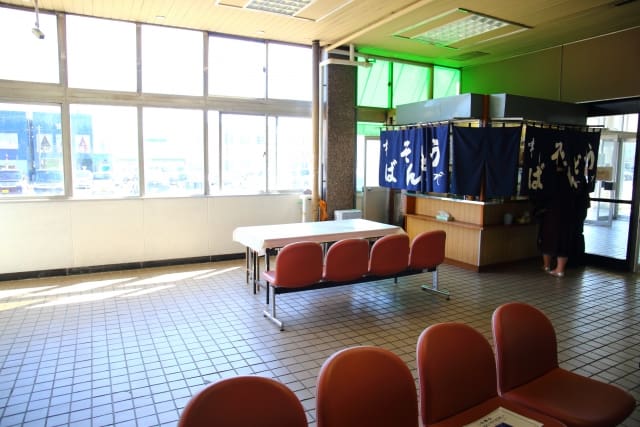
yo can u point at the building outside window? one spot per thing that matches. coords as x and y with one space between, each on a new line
244 146
31 150
173 152
104 156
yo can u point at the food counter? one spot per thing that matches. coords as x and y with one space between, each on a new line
479 234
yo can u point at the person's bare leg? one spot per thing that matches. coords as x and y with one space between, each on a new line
559 270
546 262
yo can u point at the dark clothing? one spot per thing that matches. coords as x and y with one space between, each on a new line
558 221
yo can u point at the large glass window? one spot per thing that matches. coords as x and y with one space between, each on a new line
251 148
236 67
446 82
30 150
290 156
104 151
243 153
289 72
172 61
101 54
410 83
173 151
404 83
24 56
373 85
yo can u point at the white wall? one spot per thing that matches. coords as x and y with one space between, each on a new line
45 235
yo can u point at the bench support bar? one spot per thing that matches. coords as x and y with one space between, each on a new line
434 287
270 313
272 316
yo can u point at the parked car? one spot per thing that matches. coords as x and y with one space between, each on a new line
11 181
49 181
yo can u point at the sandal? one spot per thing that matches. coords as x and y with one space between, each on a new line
556 273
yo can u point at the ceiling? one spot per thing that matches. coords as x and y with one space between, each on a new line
376 26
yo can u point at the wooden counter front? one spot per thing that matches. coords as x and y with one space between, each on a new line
477 236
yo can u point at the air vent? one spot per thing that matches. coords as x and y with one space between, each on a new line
469 55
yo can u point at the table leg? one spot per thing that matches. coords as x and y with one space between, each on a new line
255 271
247 260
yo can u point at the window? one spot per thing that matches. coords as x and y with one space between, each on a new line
409 83
373 85
25 57
405 83
30 150
123 143
172 61
446 82
236 67
367 155
104 151
173 151
290 156
243 151
289 72
101 54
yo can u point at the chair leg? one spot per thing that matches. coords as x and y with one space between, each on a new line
434 287
272 316
266 294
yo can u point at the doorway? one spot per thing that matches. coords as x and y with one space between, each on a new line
372 199
609 229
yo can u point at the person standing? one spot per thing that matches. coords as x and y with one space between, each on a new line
557 227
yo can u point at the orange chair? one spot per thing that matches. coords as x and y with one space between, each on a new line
346 260
457 378
528 373
366 386
244 401
297 265
427 253
389 255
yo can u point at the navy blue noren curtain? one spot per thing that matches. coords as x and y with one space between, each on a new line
438 156
547 150
489 151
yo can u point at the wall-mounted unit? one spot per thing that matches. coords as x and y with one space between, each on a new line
469 105
503 105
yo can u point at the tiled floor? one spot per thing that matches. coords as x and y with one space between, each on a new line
607 240
131 347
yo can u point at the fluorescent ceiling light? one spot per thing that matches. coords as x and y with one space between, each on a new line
308 10
460 28
282 7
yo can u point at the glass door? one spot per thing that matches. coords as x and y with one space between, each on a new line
374 200
607 226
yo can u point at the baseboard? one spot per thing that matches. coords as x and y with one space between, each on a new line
116 267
